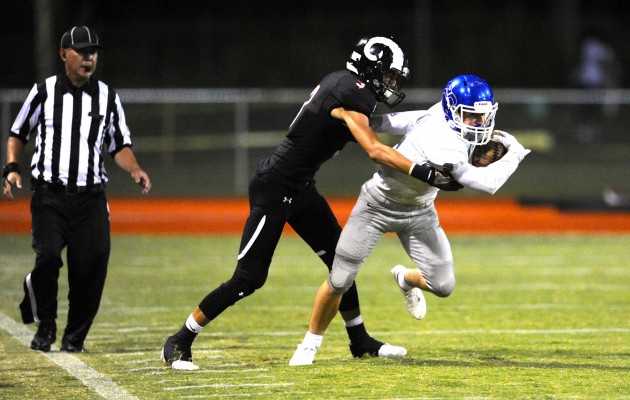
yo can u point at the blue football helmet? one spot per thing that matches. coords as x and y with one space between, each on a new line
469 96
382 64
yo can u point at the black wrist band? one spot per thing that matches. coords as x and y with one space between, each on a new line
10 167
421 172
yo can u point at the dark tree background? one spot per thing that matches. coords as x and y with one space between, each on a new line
512 43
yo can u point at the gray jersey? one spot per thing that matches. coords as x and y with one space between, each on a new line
395 202
429 138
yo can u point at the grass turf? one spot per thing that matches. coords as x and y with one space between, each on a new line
531 317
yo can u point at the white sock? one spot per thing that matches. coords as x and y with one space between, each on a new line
192 325
403 284
353 322
312 340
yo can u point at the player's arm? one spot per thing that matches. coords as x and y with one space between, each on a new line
489 179
359 125
380 153
398 123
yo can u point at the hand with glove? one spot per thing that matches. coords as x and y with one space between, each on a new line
510 143
434 177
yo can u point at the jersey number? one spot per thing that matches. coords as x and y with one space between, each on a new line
310 98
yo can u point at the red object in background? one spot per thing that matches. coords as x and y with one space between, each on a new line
228 215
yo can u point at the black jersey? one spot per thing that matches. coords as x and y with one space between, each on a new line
314 135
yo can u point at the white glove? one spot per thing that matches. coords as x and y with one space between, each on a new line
510 143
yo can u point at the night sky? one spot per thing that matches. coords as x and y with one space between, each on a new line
293 43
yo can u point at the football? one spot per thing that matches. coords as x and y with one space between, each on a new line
484 155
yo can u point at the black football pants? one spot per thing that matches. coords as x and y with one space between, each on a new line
80 223
271 207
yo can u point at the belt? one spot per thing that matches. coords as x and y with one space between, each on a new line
58 187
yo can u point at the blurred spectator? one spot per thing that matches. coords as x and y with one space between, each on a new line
598 68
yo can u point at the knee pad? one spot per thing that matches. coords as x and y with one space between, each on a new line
343 272
249 282
226 295
252 272
444 289
240 287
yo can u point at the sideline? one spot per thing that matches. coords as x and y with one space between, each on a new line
203 216
101 384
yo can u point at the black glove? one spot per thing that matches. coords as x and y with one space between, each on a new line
441 180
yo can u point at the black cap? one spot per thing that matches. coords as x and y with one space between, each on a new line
79 37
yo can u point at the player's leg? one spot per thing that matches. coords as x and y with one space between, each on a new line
324 310
258 242
317 225
430 251
427 245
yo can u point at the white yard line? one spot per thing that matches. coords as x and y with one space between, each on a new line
443 332
227 385
101 384
510 331
105 387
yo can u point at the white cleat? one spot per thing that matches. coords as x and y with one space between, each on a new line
414 299
184 365
389 351
303 355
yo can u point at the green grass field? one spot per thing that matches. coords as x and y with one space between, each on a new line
531 317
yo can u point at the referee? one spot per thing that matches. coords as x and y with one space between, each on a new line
74 119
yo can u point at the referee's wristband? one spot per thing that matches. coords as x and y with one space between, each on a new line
10 167
422 172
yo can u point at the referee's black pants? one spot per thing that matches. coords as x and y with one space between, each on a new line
79 223
272 206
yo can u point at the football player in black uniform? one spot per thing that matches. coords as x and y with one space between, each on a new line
283 189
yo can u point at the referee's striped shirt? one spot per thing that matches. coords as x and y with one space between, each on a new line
72 127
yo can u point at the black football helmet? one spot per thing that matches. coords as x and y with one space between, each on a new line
382 64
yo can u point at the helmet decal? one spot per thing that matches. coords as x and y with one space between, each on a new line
451 99
382 66
398 57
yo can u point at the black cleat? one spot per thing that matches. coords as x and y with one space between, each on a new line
374 348
45 336
178 354
370 347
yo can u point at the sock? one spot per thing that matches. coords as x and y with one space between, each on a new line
403 284
192 325
189 330
312 340
354 322
357 333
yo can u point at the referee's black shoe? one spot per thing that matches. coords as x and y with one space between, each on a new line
45 336
70 347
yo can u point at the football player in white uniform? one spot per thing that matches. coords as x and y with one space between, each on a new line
391 201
